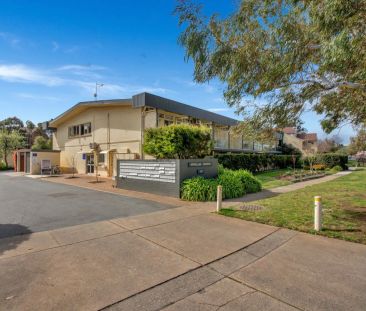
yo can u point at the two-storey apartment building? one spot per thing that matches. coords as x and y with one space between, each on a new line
117 126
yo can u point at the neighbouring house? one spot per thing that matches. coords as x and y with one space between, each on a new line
305 142
118 125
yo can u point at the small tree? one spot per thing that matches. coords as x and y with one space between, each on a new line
358 143
178 142
9 142
41 143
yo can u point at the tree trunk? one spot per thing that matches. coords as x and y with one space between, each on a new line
5 159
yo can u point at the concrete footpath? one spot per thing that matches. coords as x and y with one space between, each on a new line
184 258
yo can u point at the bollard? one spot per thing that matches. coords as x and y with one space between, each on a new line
219 198
317 213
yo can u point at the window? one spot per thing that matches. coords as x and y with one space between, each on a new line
101 157
165 120
80 130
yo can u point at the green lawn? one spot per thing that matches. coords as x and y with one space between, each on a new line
344 208
271 179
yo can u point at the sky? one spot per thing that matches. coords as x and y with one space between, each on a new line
53 52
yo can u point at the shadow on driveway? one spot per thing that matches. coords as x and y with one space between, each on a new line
10 230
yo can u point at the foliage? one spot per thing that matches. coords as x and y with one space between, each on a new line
319 167
329 145
336 169
3 165
11 124
329 160
234 184
289 149
250 183
358 143
199 189
178 142
9 142
295 54
257 162
42 143
29 132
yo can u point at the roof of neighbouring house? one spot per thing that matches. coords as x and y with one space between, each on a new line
308 136
289 130
147 100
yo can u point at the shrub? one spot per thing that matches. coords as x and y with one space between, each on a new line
329 160
232 187
319 167
178 142
250 183
234 184
42 143
199 189
336 169
2 165
257 162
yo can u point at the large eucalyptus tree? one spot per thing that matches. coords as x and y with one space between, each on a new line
297 54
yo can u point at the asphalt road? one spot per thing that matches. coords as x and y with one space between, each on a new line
31 205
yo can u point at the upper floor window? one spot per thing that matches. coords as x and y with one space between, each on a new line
80 130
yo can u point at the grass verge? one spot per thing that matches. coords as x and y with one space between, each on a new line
344 208
271 179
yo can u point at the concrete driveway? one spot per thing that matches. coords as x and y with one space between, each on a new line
31 205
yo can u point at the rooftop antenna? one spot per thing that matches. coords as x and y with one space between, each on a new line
97 85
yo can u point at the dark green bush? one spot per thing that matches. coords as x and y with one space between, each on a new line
250 183
336 169
199 189
329 160
234 184
178 142
255 162
232 187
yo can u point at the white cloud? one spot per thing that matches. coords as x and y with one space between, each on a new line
72 49
72 67
24 74
55 46
37 97
10 39
64 76
218 109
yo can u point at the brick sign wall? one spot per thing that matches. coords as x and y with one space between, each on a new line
164 171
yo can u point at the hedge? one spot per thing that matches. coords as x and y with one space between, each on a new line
234 184
178 141
329 160
255 162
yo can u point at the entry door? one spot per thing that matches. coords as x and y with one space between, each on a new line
27 162
90 163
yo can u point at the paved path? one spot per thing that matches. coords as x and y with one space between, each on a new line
268 193
184 258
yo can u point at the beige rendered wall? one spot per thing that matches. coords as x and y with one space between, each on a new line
38 156
112 128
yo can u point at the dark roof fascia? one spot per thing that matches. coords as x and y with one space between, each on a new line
154 101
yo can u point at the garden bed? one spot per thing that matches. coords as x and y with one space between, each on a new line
298 177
